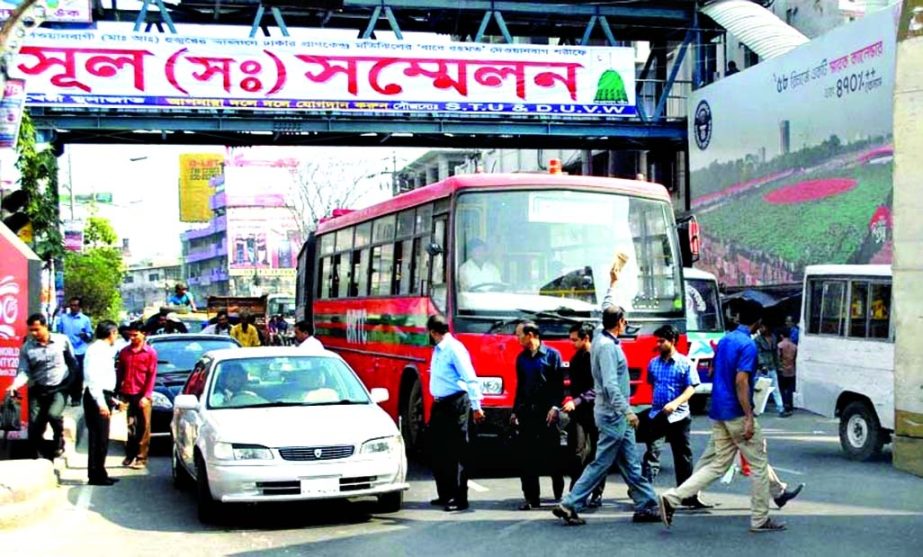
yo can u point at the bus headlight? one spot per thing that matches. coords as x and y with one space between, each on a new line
491 385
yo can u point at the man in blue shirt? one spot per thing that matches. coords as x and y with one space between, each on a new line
734 427
181 297
76 325
539 391
456 395
674 380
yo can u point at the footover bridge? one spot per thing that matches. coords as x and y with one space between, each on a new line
496 83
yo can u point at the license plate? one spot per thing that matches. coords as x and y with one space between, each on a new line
320 486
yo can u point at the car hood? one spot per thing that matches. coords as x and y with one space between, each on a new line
301 426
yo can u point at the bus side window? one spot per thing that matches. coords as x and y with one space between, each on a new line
858 309
382 262
439 291
880 311
333 285
323 266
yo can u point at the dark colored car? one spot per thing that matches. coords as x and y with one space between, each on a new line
176 356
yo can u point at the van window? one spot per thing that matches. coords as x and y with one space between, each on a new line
827 314
858 309
880 311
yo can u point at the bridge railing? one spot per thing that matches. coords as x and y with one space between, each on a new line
649 95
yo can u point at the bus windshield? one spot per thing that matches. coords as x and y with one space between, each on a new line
551 251
703 311
282 305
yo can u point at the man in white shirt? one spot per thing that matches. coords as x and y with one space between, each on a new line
477 271
99 387
304 335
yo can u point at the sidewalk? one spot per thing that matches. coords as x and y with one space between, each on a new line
27 486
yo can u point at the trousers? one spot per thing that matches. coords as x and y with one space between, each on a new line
448 426
616 446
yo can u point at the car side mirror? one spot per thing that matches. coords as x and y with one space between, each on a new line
380 395
433 249
186 402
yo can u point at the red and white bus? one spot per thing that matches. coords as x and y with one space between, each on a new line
545 242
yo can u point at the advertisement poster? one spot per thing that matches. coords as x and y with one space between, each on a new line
195 191
801 172
11 107
59 11
14 308
262 238
147 70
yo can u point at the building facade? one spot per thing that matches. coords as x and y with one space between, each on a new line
149 283
250 246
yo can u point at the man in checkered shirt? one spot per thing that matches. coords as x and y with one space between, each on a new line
674 380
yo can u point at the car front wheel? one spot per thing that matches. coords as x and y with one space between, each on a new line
390 502
207 506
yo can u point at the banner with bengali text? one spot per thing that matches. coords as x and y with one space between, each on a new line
95 69
59 11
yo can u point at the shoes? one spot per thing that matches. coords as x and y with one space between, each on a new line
786 413
59 452
530 505
696 503
666 512
456 506
437 502
646 516
769 526
788 495
128 460
103 482
139 464
595 501
568 515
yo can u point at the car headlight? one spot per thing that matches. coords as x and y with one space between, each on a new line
160 400
383 445
491 385
237 451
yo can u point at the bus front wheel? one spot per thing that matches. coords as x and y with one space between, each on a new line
860 431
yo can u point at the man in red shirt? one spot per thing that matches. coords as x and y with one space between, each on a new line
137 369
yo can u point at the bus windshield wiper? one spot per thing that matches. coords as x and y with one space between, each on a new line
562 313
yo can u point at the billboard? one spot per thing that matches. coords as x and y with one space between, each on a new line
195 173
791 160
144 70
59 11
262 238
11 107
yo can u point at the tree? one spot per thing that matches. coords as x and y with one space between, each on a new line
39 179
96 274
319 188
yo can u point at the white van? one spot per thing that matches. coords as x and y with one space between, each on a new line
704 328
845 364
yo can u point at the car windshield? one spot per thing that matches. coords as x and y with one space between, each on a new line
285 381
182 354
551 250
703 311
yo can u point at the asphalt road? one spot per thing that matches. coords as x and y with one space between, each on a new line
847 509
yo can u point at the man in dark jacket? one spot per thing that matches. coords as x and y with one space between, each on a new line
539 391
582 433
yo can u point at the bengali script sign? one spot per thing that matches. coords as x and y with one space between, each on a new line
143 71
59 11
195 173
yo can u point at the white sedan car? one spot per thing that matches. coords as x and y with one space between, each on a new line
282 424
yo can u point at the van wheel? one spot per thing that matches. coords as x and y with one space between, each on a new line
412 418
390 502
860 431
207 506
181 478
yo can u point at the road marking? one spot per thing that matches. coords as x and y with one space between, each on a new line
788 471
477 487
83 501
